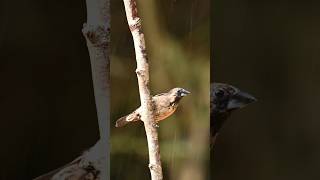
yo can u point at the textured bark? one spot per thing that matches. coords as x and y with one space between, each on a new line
142 72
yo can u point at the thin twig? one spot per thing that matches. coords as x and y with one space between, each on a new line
142 72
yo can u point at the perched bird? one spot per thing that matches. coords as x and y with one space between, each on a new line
164 105
224 99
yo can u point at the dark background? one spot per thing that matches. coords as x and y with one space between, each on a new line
271 50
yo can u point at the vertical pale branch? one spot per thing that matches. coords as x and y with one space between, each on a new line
93 163
142 71
97 34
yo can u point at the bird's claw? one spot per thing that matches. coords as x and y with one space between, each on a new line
156 125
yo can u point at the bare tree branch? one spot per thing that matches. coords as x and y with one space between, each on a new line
93 163
97 34
142 72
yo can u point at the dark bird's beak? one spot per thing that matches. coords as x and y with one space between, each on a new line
184 92
240 100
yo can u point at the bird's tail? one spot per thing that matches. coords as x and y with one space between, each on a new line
127 119
122 121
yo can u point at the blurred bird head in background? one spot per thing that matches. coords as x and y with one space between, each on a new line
224 99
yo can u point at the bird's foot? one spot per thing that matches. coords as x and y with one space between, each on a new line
156 125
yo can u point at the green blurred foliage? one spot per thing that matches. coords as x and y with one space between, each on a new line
177 38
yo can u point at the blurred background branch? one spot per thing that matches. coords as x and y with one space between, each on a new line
97 34
94 163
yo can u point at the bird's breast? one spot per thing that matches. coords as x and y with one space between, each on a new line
165 112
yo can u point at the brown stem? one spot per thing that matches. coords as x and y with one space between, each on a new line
142 72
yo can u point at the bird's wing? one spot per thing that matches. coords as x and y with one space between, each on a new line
163 106
161 94
134 116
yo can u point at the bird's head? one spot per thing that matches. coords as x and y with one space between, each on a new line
225 98
178 93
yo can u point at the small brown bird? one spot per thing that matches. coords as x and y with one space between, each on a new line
224 99
165 105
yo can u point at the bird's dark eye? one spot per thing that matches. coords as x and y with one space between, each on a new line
219 93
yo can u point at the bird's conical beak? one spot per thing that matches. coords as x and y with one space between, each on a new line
184 92
240 100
